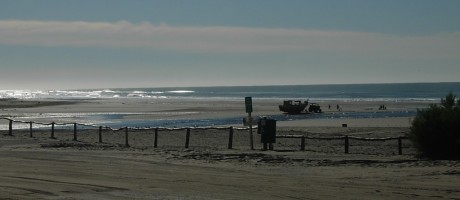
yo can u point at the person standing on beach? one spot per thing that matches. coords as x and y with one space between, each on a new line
339 108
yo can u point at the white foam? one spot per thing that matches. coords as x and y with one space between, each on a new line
181 91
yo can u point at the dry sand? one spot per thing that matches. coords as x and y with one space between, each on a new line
45 168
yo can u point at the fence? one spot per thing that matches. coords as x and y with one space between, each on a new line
230 129
346 140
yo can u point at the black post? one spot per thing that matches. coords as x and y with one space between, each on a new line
74 131
302 143
52 130
399 146
126 137
230 138
100 134
251 136
346 144
30 129
187 138
10 132
155 141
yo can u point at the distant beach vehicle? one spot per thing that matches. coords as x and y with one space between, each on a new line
314 107
293 107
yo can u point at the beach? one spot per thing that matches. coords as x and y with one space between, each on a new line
41 167
229 99
70 111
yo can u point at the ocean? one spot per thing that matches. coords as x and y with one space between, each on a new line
397 92
340 92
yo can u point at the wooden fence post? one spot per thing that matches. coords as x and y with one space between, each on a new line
302 143
10 130
126 137
30 129
187 138
251 136
100 134
399 146
52 130
155 141
230 138
74 131
346 144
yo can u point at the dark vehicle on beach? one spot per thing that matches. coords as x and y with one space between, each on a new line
293 107
314 107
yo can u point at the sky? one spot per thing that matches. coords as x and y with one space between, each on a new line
68 44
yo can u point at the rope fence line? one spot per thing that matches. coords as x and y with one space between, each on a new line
123 128
120 129
346 140
188 130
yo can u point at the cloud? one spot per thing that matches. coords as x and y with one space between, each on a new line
217 39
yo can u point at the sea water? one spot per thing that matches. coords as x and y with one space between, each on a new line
397 92
340 92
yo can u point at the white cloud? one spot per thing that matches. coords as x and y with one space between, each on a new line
124 34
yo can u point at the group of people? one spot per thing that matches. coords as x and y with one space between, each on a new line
382 107
338 107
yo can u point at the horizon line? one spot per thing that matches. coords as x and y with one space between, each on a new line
257 85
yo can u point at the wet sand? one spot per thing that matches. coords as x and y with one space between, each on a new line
202 109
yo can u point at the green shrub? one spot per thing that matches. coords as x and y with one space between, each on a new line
435 131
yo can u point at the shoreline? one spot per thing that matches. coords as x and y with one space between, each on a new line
12 103
187 112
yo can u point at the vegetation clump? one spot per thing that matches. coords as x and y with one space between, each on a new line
435 131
